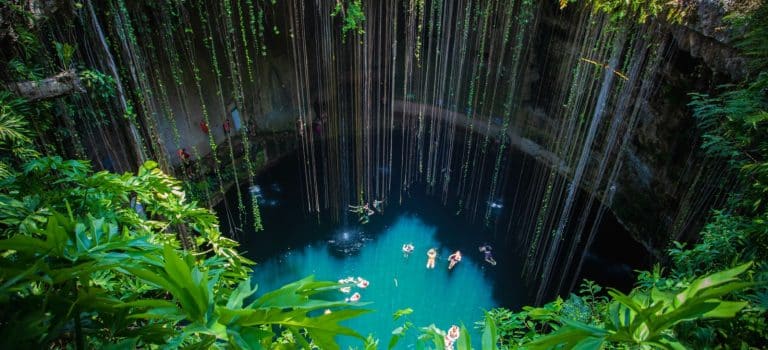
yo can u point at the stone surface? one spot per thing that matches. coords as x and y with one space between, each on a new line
655 195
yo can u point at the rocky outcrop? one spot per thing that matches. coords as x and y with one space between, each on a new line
705 36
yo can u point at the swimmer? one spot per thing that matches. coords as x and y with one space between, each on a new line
362 283
451 337
346 289
354 298
364 211
368 210
431 255
454 259
486 249
361 209
407 249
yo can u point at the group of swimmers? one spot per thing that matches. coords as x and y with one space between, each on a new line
453 259
364 211
360 282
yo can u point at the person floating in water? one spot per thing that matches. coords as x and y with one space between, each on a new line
204 127
364 211
354 298
486 249
377 205
431 255
368 210
362 283
454 259
451 337
407 249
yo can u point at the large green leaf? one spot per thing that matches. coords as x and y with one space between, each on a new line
243 291
568 337
490 337
465 341
25 244
713 280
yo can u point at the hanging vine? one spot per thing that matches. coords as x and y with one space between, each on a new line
352 15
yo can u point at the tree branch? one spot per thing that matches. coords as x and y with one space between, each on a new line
64 83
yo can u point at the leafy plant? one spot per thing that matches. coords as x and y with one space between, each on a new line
15 135
635 10
91 259
98 84
432 335
65 52
646 318
353 16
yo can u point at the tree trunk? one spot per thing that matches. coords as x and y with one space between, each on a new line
134 132
64 83
187 241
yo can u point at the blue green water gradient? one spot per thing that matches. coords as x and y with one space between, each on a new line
437 296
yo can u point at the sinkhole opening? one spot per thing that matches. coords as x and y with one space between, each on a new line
296 244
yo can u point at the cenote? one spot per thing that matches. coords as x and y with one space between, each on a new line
295 244
277 174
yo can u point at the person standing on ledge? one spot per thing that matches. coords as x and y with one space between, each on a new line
183 155
226 126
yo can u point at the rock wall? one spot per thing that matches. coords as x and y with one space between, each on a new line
666 187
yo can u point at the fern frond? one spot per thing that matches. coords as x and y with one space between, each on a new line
14 128
5 170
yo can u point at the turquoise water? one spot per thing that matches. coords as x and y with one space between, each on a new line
295 244
437 296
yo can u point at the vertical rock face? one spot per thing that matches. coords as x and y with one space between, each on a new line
705 36
666 186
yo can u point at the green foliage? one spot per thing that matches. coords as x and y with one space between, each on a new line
91 259
98 84
735 126
679 310
722 239
353 16
645 318
430 335
16 143
754 43
64 52
635 10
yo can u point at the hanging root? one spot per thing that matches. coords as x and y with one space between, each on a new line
606 66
